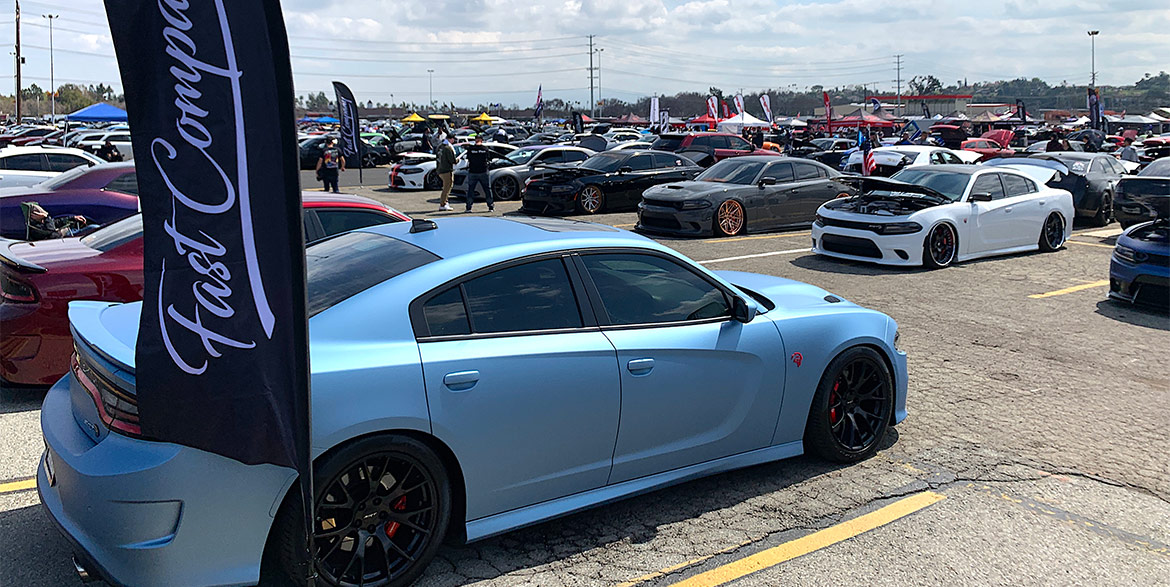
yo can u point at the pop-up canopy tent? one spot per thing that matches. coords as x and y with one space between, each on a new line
100 112
737 123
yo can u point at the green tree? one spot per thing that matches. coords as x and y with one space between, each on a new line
925 84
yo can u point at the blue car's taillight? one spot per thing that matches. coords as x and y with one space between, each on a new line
117 409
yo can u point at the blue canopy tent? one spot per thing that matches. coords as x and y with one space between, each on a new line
100 112
322 119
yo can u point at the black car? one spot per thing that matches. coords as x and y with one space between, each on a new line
1092 181
832 151
606 182
372 156
1137 198
743 194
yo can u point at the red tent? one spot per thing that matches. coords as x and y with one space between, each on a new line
705 119
863 119
632 119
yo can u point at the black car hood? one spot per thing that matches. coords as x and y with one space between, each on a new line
687 190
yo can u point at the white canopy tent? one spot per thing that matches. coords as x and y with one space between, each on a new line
737 123
793 122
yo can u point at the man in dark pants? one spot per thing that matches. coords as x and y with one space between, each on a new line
477 173
330 164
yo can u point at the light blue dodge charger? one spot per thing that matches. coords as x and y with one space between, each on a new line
470 377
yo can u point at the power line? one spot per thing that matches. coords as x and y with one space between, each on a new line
335 74
429 61
448 43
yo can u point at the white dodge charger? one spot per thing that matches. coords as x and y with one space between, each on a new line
940 214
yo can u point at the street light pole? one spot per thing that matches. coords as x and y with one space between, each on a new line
601 105
431 87
52 81
1093 57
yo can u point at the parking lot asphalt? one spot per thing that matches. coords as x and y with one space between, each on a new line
1038 415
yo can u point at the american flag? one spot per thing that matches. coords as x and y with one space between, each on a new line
539 100
867 162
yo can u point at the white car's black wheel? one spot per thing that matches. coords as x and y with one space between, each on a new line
591 200
382 508
431 181
1052 237
941 247
506 188
851 410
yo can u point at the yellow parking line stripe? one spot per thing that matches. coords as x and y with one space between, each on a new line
813 542
680 566
1073 289
1090 244
752 238
20 485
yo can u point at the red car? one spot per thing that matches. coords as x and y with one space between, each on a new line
39 279
716 146
991 144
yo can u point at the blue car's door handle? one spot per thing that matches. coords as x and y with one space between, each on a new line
461 380
640 366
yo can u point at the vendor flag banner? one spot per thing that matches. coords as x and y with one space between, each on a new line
347 113
664 120
925 110
738 103
654 110
1022 111
726 112
1094 103
222 355
875 105
828 112
539 108
766 104
712 107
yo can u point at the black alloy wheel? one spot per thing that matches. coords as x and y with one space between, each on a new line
369 160
941 247
382 509
852 408
506 188
1104 213
1052 237
431 181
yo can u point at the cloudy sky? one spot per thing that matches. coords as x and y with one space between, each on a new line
500 50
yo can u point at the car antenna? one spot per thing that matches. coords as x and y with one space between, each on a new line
422 225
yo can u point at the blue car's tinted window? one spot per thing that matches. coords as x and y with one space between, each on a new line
644 289
446 315
353 262
532 296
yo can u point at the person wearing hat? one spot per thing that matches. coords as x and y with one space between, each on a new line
329 165
41 226
109 152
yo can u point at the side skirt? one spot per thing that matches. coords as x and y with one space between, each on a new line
526 516
1007 251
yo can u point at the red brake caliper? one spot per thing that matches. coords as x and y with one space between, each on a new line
392 527
833 415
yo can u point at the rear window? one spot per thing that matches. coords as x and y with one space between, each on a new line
341 267
667 144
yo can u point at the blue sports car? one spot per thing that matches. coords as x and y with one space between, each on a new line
1139 271
470 377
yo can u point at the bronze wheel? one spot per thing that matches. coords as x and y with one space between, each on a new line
591 200
729 218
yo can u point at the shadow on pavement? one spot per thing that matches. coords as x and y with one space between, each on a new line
824 264
21 399
1136 315
34 553
635 519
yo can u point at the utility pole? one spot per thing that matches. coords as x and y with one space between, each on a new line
592 103
431 87
1092 66
19 61
52 81
898 64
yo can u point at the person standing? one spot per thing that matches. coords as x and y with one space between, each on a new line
329 165
1054 145
477 174
109 152
445 167
1128 153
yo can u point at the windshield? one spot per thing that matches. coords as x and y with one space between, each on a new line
114 235
948 183
520 156
823 144
605 162
64 178
732 171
